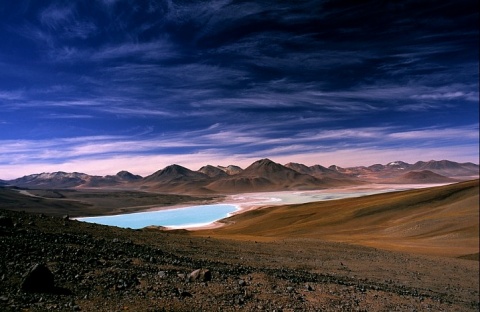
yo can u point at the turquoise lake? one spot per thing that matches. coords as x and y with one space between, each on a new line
174 218
194 216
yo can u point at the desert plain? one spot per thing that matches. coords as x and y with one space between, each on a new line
414 250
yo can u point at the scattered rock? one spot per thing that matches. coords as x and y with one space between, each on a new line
38 279
185 294
309 287
182 293
111 269
239 300
181 275
202 275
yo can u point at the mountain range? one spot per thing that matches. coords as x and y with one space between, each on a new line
262 175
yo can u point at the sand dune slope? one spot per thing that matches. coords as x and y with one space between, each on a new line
441 221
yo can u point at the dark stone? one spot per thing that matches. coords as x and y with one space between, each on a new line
38 279
308 287
181 275
6 221
185 294
203 275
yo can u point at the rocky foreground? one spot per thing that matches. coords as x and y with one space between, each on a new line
57 264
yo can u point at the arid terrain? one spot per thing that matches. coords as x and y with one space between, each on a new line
403 251
442 220
262 175
92 202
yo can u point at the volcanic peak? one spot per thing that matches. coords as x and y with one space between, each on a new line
398 164
125 175
213 172
299 167
173 172
265 165
336 168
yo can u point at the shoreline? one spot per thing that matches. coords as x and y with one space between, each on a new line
248 205
244 202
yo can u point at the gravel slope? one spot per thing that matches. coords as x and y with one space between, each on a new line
100 268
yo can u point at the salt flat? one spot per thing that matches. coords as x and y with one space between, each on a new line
206 216
440 220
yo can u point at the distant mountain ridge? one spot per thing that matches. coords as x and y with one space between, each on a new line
177 179
58 179
397 168
266 175
175 173
62 179
446 167
261 175
315 170
127 176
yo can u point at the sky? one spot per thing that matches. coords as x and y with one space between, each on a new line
108 85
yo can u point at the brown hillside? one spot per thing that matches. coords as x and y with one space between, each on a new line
424 176
265 175
104 269
176 179
441 220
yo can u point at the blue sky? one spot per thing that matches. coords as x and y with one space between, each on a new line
103 86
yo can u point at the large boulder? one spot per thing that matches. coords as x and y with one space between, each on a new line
38 279
202 275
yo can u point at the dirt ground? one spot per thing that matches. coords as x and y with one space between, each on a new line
104 268
286 264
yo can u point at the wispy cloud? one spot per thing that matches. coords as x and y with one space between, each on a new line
470 96
56 15
109 2
11 95
235 80
64 21
158 50
243 142
460 133
67 116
